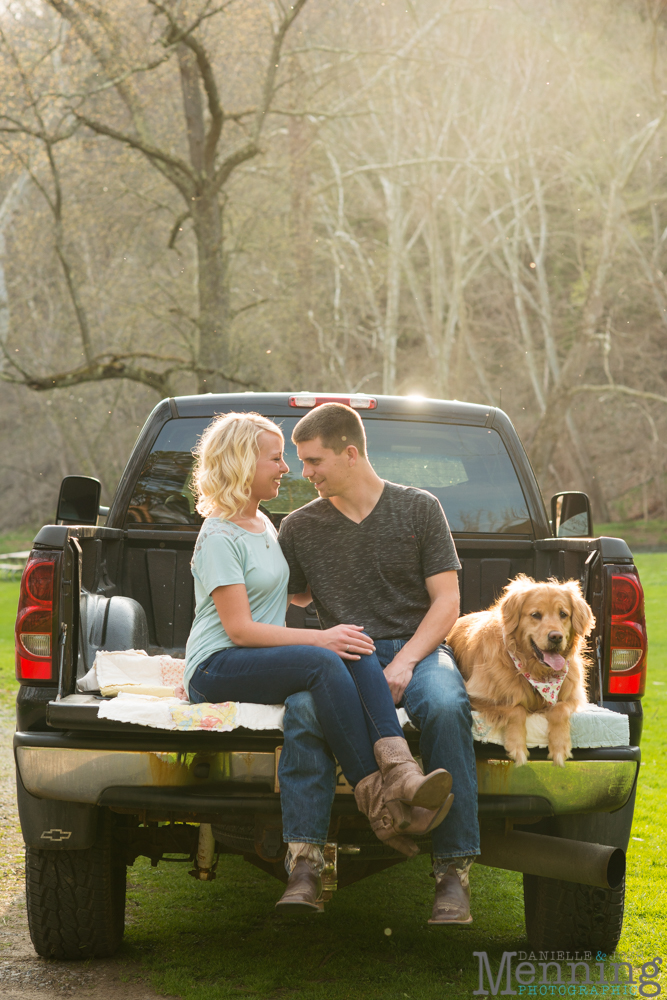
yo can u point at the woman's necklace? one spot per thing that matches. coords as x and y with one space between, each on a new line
252 520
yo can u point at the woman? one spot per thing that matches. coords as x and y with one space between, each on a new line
239 648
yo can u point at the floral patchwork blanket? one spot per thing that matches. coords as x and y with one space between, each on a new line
139 688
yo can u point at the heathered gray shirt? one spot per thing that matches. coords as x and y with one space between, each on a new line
370 574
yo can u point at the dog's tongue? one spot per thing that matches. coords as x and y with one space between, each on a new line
553 660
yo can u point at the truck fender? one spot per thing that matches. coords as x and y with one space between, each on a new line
111 623
125 625
609 828
51 825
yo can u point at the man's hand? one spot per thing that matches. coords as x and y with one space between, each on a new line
398 675
443 590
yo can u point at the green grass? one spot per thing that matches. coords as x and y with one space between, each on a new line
646 907
9 599
19 540
224 939
638 534
209 941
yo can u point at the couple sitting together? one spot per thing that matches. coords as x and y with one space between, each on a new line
380 564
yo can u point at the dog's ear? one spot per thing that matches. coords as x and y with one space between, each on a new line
511 603
583 619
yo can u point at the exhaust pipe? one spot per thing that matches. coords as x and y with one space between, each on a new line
554 857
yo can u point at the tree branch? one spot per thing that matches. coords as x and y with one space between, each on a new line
176 229
185 36
250 305
114 82
236 116
623 390
115 366
54 201
213 99
109 61
231 162
274 61
251 148
416 162
179 34
175 169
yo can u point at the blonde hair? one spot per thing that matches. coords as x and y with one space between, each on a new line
226 460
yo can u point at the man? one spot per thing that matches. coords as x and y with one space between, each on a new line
381 556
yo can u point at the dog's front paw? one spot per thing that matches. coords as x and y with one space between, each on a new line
519 756
559 757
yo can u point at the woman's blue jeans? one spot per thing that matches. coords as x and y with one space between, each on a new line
437 704
352 700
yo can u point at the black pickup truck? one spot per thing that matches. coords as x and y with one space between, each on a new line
94 794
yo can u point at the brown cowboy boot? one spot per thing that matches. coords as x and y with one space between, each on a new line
405 784
368 795
422 821
452 898
303 888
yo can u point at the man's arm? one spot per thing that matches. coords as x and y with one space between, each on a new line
300 600
298 584
443 589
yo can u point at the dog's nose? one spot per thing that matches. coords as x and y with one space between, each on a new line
555 638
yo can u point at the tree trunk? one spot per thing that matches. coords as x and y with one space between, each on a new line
213 355
393 196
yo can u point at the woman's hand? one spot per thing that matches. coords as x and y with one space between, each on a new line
348 641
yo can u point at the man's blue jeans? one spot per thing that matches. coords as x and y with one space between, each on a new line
437 704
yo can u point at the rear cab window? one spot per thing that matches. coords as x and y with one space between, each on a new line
466 467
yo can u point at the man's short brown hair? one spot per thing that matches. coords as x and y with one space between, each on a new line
335 424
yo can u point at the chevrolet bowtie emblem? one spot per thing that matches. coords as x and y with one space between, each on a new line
56 835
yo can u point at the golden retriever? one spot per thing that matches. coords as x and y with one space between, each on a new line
525 654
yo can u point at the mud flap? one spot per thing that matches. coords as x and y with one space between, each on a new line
51 825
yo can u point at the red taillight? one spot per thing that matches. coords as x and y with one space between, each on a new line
39 582
34 620
627 660
626 593
310 399
626 685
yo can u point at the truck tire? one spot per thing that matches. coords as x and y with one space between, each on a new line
567 916
76 899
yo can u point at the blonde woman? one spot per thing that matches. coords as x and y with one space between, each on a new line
239 648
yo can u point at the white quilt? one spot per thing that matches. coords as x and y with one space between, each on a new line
144 687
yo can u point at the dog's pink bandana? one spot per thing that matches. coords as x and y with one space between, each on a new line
548 689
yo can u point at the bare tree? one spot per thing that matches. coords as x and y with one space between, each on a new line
121 50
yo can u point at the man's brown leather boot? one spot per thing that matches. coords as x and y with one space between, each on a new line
303 888
369 796
404 782
452 899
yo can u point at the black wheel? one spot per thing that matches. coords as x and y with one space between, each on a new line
76 899
564 916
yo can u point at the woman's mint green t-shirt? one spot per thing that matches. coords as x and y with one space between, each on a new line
225 554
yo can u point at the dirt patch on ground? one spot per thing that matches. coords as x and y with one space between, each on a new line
23 975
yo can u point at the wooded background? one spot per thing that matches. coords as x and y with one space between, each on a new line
443 197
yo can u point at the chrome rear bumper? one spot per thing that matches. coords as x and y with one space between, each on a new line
83 775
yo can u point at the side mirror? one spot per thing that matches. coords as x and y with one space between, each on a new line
79 500
571 515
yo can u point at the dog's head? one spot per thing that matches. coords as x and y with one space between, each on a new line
545 622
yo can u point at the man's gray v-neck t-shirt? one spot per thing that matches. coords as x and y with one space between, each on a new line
370 574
